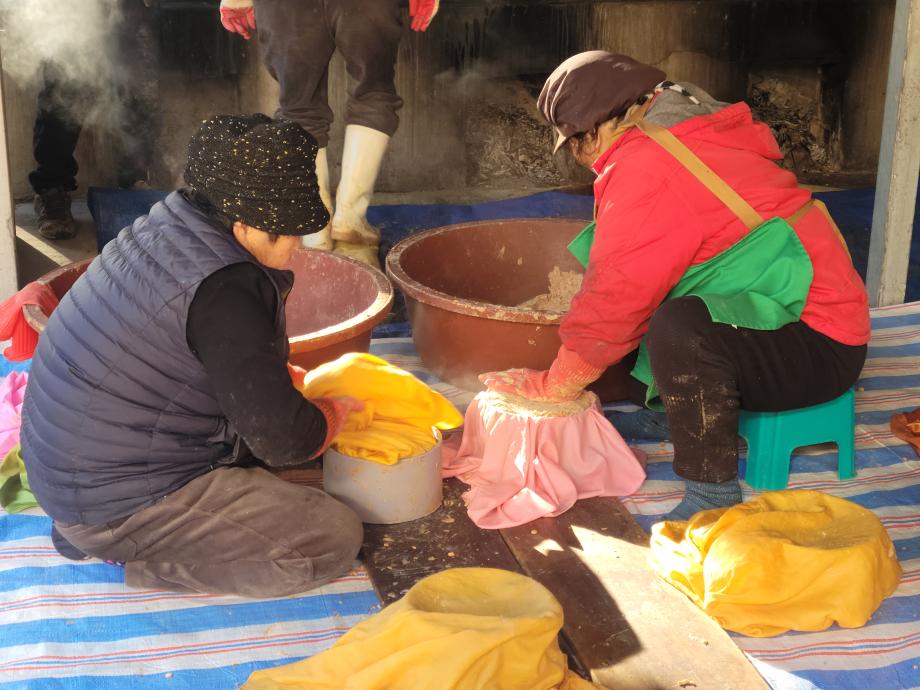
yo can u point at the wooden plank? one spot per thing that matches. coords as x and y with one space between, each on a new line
309 476
8 275
628 628
899 163
398 556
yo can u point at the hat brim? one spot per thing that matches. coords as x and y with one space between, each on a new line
560 141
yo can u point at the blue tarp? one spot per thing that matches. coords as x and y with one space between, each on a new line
114 209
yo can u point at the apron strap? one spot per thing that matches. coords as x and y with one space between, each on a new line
715 184
806 207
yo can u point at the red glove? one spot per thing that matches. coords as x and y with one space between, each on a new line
565 380
422 12
336 411
238 16
13 324
297 375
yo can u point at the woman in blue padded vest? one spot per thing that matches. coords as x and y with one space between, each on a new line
160 388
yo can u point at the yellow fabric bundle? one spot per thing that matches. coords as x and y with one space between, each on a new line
461 629
786 560
399 414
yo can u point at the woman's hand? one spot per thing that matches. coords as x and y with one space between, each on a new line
565 380
422 12
526 383
336 411
238 17
297 374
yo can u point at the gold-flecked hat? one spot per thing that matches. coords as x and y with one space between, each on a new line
259 171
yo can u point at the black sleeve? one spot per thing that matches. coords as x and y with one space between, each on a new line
230 328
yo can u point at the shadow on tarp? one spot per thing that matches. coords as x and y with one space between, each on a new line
114 209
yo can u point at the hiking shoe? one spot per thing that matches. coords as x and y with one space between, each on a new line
55 221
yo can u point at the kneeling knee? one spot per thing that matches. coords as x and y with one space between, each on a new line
345 537
350 531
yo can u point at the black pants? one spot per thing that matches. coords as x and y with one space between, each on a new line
706 372
127 115
298 38
61 109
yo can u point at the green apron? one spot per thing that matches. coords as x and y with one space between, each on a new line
761 282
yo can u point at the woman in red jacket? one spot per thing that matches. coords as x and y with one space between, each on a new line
742 295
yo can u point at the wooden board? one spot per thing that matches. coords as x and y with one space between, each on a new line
628 628
624 628
311 476
398 556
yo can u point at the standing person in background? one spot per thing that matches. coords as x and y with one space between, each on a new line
298 39
65 102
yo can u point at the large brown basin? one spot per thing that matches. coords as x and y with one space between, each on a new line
460 284
333 308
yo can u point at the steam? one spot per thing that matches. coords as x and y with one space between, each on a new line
71 35
75 43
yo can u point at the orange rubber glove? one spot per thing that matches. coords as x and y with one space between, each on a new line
566 379
336 411
422 12
297 375
238 17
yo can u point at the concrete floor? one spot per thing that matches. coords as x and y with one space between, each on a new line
35 255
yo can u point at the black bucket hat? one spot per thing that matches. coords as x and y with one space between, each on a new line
259 171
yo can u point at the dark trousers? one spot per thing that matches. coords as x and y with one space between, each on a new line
298 39
62 108
127 113
235 530
706 372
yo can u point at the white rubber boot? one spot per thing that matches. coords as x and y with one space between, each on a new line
322 239
361 158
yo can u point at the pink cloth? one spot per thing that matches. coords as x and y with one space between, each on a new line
521 468
12 392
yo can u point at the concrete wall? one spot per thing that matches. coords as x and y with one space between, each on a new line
700 42
868 41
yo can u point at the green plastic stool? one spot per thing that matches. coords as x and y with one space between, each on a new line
772 436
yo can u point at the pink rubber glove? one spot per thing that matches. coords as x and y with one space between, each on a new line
238 17
422 12
336 411
566 379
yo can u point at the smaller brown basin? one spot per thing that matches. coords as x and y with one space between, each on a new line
334 306
61 280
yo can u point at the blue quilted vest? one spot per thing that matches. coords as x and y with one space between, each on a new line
118 411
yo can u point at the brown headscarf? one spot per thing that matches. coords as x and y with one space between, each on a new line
593 87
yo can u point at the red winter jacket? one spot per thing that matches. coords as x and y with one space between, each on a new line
655 220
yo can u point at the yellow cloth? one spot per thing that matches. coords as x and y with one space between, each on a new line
461 629
399 414
786 560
